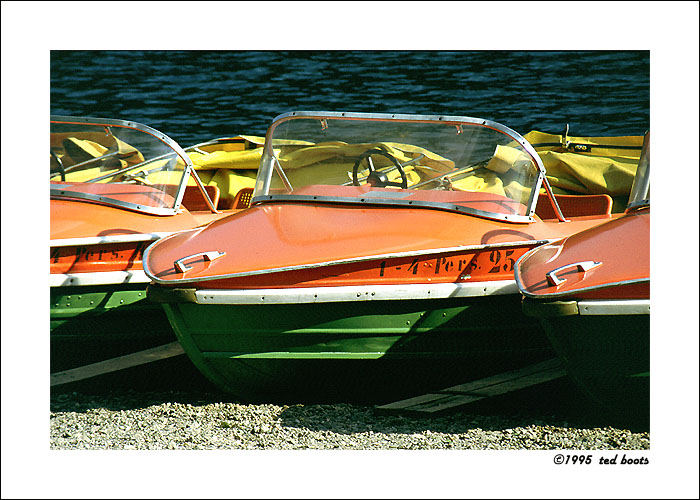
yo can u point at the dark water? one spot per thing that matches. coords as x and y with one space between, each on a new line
197 95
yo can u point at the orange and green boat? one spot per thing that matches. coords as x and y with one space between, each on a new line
116 186
376 260
591 292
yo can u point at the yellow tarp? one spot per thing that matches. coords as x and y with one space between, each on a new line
242 153
570 170
236 160
230 182
598 171
75 148
333 162
233 166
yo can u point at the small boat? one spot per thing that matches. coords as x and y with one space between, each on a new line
376 260
591 293
117 186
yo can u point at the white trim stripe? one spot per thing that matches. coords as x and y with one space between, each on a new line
103 278
356 293
118 238
614 307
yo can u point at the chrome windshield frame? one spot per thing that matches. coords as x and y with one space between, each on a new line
639 194
161 211
444 119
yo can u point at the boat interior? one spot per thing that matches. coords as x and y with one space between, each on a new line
589 176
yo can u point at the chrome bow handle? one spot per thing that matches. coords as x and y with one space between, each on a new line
182 268
581 266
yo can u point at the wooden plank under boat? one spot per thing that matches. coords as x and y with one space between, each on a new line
458 396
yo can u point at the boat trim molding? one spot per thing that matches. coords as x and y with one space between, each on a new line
373 201
462 248
117 238
601 307
572 293
614 307
101 278
57 193
355 293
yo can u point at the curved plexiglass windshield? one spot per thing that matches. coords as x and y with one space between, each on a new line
460 164
115 162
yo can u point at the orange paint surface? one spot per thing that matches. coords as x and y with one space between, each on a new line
622 247
276 236
79 219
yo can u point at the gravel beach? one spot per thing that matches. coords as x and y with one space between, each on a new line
335 450
166 420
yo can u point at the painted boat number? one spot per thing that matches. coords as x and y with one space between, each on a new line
493 262
441 264
98 253
502 260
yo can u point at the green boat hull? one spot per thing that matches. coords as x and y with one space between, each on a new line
607 356
365 351
90 324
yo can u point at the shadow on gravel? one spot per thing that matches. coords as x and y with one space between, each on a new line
177 373
130 399
173 380
557 404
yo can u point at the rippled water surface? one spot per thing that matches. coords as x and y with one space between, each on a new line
197 95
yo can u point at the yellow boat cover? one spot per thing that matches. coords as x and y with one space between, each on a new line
574 165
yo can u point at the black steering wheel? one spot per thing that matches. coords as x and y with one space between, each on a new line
376 178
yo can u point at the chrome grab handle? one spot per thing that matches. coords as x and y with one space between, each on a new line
182 268
581 266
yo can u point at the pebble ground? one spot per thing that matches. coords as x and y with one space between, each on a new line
182 420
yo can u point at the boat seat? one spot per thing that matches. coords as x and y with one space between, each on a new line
574 205
243 197
194 201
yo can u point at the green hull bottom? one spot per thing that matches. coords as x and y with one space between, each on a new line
607 356
364 351
96 323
